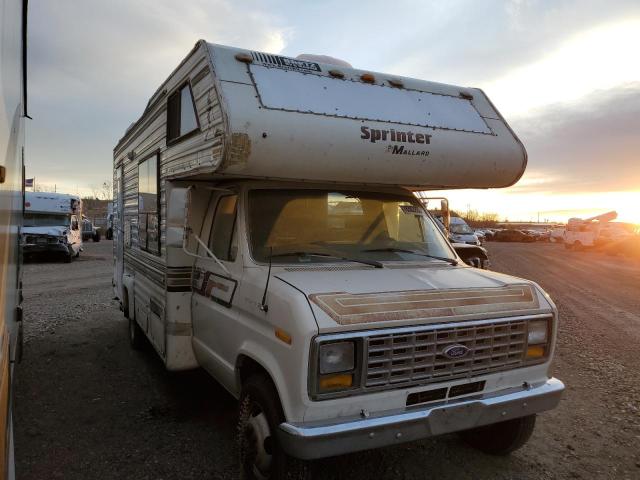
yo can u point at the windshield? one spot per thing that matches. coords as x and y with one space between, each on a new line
301 225
460 229
45 220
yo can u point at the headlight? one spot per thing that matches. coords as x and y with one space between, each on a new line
538 332
336 357
538 340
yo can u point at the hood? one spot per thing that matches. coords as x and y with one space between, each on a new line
362 298
53 231
465 237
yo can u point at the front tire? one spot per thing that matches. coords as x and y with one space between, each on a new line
261 456
501 438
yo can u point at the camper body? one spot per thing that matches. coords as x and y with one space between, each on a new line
13 115
52 225
265 229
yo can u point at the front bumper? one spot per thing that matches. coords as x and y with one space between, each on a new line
319 440
54 248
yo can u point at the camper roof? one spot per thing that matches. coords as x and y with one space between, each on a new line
299 119
49 202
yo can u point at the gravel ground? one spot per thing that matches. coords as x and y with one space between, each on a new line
88 407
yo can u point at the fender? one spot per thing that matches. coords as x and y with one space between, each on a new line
292 411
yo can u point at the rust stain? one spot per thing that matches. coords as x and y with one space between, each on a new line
238 151
347 308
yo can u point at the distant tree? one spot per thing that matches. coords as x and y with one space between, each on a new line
481 219
102 192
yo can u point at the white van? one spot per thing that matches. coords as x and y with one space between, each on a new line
52 225
266 230
461 232
581 233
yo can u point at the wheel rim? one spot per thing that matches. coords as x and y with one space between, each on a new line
258 439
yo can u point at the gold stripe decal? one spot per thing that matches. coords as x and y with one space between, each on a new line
348 308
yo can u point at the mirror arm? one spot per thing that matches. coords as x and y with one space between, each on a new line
210 253
185 238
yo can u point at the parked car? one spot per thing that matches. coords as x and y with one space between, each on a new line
460 232
473 255
512 235
89 231
557 235
109 230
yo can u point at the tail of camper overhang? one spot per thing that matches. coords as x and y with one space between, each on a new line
261 115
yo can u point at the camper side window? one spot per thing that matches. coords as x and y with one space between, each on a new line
148 215
181 114
222 228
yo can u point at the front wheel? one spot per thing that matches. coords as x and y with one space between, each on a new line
501 438
261 456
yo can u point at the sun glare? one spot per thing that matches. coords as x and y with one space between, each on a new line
596 59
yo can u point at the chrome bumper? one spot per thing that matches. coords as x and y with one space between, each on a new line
318 440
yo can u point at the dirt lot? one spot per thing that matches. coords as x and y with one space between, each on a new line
88 407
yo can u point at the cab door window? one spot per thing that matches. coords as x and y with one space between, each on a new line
221 237
74 223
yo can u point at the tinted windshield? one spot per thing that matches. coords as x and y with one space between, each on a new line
45 220
342 223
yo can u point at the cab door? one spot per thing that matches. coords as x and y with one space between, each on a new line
213 304
75 235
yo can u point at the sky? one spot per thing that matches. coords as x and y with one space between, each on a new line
564 73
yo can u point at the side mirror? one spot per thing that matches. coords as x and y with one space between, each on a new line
177 212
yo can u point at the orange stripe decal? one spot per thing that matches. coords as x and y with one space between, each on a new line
347 308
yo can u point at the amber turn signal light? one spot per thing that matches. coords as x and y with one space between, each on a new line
335 382
535 351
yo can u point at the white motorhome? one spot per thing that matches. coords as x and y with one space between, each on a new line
266 230
52 225
13 114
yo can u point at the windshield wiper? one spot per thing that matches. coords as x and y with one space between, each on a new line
451 261
301 253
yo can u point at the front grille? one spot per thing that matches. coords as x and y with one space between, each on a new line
40 239
401 359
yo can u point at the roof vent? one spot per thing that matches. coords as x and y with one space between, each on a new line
310 57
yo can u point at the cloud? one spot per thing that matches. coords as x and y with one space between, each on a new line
593 146
472 43
93 66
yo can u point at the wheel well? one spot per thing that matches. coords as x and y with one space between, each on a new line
246 367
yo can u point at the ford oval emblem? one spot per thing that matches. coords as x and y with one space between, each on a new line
455 351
